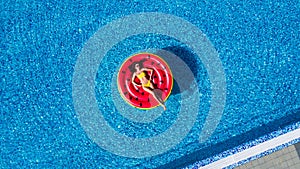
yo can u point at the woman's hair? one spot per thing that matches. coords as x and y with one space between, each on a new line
132 66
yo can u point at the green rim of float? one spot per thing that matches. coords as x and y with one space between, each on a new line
136 96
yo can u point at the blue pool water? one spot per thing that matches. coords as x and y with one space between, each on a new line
42 43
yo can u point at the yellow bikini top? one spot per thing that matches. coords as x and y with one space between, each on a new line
141 75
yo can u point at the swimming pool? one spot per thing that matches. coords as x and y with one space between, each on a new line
248 50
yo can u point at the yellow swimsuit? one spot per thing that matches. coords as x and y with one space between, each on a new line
140 76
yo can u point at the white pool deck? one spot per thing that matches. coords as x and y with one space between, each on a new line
287 158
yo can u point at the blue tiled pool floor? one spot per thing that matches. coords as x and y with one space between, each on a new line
254 44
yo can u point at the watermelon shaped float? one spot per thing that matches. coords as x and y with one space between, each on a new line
130 87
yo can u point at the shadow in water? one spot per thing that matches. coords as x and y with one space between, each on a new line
175 89
181 68
293 117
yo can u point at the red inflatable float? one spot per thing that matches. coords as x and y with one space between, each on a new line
161 79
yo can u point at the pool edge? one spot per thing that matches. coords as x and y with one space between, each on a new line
254 152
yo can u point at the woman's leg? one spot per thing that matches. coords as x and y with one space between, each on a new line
157 96
158 99
155 92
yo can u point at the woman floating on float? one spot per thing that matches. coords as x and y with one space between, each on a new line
145 81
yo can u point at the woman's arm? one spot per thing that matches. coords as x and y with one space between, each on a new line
149 70
132 80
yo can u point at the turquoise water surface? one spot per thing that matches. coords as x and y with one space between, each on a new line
236 78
